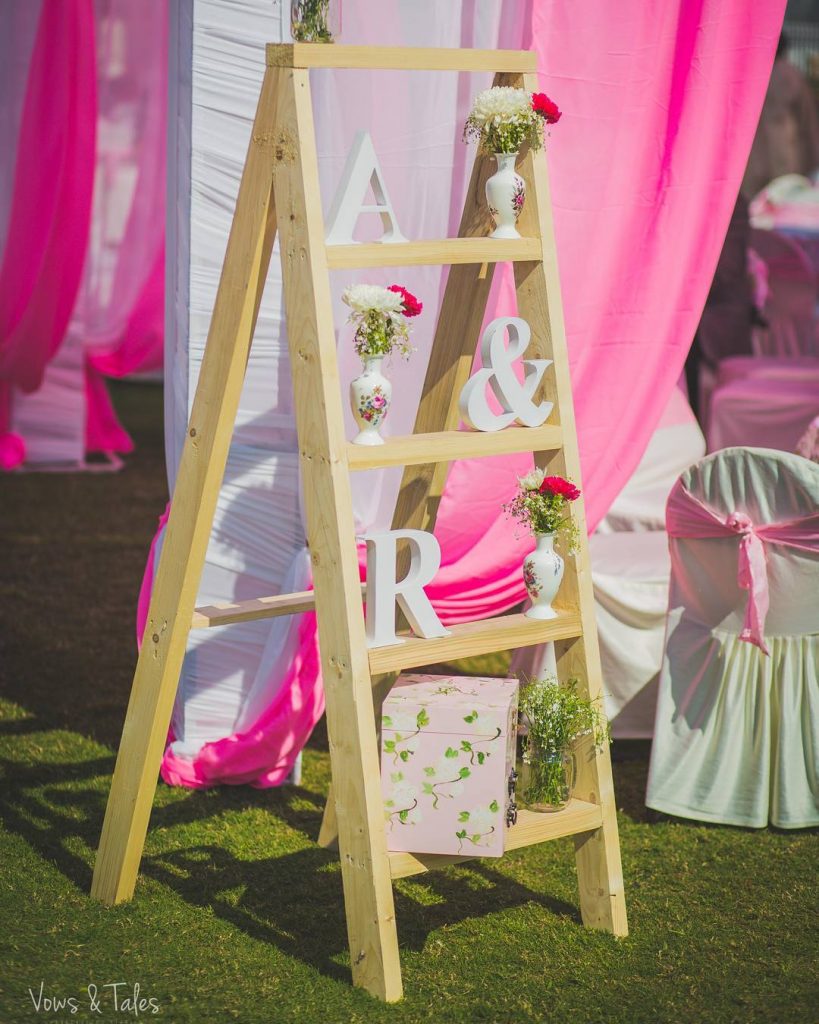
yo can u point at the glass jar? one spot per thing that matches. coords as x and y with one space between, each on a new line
545 776
315 21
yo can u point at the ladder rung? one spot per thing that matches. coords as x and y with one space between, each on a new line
433 251
531 827
257 608
397 58
248 611
470 639
449 445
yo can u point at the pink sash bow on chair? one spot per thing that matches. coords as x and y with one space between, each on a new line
687 516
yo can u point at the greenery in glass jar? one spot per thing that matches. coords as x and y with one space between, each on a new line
310 21
553 717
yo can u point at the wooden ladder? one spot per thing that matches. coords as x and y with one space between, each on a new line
279 190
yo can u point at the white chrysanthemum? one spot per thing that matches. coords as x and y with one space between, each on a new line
533 480
500 103
363 297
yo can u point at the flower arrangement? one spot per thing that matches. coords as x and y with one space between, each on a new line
503 118
380 318
542 505
310 21
552 717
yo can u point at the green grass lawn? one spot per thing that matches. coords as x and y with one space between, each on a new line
238 915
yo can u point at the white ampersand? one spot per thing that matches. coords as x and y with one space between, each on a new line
515 398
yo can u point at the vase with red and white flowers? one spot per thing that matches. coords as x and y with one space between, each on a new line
542 504
380 318
501 121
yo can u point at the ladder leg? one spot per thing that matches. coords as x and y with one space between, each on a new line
328 833
599 871
192 508
365 868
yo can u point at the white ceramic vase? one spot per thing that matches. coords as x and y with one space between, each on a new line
505 194
370 397
542 575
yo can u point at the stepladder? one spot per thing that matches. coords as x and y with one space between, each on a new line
277 194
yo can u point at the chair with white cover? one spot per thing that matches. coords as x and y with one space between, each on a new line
736 735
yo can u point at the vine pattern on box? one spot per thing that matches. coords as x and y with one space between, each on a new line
444 752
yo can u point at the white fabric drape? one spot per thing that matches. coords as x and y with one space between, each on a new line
217 61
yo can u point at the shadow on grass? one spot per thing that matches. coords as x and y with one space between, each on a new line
293 901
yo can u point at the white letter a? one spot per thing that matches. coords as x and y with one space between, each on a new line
361 170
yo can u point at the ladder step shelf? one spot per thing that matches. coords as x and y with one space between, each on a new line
471 639
531 827
449 445
397 58
444 251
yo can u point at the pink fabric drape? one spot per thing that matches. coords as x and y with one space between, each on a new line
91 150
660 105
121 307
687 516
48 226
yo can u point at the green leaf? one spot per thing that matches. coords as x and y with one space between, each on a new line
386 721
427 787
396 776
403 815
482 755
465 745
494 806
473 717
461 834
389 746
429 770
389 803
463 816
404 755
450 752
464 773
422 718
476 838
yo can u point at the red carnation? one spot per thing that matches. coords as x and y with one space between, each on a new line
541 104
557 485
412 307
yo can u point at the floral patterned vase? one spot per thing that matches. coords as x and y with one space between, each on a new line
505 194
370 396
542 574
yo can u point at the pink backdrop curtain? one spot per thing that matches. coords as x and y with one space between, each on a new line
51 204
660 104
90 154
120 309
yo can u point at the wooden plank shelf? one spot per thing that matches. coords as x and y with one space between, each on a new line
471 639
434 251
531 828
449 445
395 58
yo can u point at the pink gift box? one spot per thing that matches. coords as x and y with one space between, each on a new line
447 763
